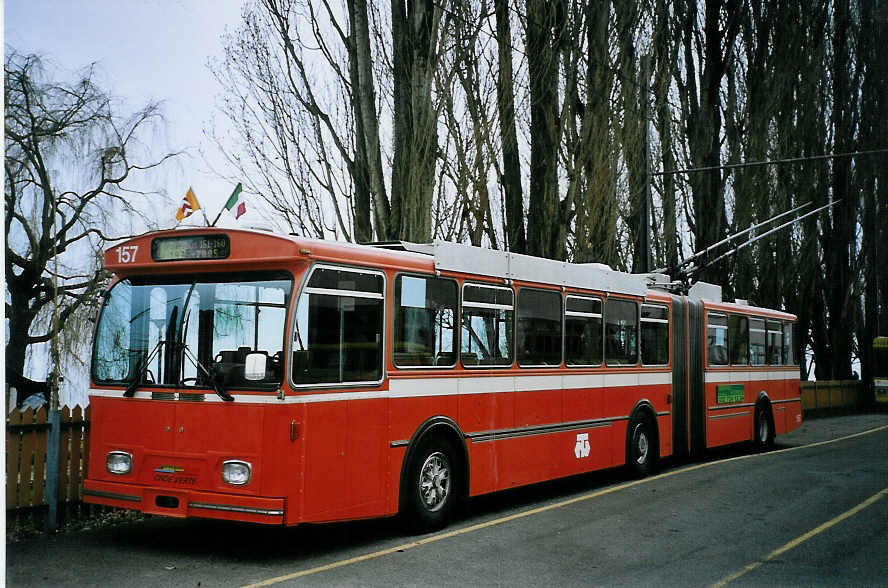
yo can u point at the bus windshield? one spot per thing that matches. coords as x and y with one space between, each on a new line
189 331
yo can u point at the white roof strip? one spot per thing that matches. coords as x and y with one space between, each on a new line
468 259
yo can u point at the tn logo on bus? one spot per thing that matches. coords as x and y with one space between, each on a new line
582 448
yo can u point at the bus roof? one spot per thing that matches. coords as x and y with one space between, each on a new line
189 249
197 249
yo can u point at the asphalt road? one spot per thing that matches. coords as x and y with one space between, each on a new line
812 512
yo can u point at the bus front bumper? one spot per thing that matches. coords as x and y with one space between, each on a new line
185 503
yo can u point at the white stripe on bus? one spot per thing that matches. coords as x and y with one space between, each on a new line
451 386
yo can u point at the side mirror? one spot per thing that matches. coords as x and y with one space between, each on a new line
254 366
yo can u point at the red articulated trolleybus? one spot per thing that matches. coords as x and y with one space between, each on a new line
250 376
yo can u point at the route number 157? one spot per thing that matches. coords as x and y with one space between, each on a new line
127 253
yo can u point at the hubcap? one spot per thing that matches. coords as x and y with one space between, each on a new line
641 444
434 481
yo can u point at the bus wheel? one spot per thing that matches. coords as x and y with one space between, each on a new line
642 450
764 430
431 486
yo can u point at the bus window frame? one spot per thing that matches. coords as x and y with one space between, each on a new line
745 317
793 329
667 320
600 300
637 332
727 329
517 308
764 330
462 294
295 309
456 318
781 355
159 279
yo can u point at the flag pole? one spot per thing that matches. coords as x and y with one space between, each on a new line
228 203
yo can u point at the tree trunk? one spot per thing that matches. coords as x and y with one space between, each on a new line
544 219
505 93
414 47
367 139
838 267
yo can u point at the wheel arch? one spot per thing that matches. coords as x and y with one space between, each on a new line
447 429
644 408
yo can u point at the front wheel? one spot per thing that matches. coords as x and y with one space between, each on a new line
430 490
642 450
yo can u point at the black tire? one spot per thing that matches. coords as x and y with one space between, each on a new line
763 434
431 486
641 449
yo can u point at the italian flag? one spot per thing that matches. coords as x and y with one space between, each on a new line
236 203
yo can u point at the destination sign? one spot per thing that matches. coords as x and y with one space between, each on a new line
190 247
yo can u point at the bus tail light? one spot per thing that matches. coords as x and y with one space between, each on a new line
236 472
119 462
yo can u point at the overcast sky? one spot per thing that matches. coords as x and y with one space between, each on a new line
146 50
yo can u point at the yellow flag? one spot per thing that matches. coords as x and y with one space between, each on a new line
189 205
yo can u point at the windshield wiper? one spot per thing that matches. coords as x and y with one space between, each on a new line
139 372
211 376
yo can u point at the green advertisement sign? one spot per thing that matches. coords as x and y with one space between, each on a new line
729 393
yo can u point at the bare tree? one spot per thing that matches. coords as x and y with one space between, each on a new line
415 34
510 179
57 213
546 219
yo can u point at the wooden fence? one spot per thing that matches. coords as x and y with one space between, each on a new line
27 434
832 394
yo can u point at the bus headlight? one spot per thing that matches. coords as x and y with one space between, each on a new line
236 472
119 462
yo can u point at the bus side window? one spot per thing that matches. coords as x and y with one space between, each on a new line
775 343
339 326
757 341
486 336
583 330
654 334
789 357
717 339
425 311
621 331
738 338
539 327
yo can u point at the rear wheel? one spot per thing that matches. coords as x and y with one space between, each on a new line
642 450
764 429
431 486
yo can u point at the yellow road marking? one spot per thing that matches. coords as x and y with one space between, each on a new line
534 511
801 539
